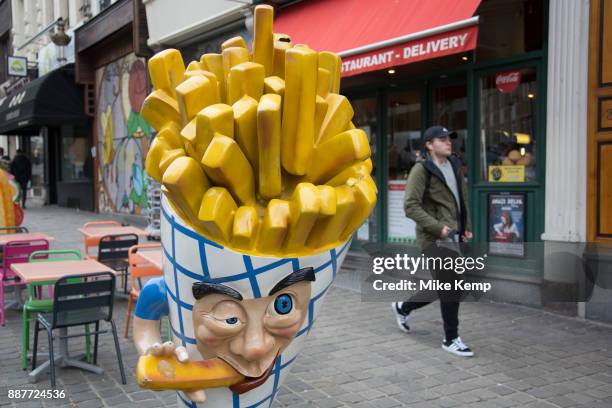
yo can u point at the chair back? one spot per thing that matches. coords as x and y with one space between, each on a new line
83 299
140 267
56 255
93 241
13 230
19 251
115 247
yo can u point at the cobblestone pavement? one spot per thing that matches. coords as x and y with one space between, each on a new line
356 356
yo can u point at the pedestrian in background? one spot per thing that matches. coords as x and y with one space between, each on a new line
436 199
21 168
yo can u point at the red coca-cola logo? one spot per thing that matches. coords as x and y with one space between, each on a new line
507 82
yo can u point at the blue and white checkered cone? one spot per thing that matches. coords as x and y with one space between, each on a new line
190 257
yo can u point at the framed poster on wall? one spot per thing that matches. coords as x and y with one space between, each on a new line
506 224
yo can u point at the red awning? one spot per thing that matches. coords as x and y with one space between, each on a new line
374 34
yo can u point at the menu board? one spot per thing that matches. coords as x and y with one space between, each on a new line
400 229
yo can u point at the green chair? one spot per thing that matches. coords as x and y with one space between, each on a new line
34 305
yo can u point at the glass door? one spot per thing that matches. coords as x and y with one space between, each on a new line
403 152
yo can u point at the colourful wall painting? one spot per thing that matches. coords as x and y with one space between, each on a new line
123 136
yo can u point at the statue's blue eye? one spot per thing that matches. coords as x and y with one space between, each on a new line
231 320
283 304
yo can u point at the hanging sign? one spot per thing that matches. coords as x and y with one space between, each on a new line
507 82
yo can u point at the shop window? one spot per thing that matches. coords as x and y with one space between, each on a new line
365 119
509 27
507 126
450 110
404 151
75 157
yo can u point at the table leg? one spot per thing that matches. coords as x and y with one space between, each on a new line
74 361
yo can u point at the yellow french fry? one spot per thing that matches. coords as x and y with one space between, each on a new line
237 41
323 82
350 126
189 137
339 114
298 110
233 56
185 184
321 107
217 213
282 42
263 39
355 171
328 229
332 63
217 119
245 79
212 77
365 200
336 154
246 223
245 127
168 157
274 85
157 149
227 166
269 145
273 228
214 63
194 66
159 109
166 69
193 95
303 212
171 135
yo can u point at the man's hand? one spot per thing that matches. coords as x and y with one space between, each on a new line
467 236
167 350
445 231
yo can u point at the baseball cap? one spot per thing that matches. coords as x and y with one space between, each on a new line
437 131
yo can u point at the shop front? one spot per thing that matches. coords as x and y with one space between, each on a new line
109 57
476 67
47 120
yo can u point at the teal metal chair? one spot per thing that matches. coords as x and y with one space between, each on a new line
34 305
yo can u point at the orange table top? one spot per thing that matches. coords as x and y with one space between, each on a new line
99 232
155 257
50 271
4 238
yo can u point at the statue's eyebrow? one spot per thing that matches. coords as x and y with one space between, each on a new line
201 289
304 274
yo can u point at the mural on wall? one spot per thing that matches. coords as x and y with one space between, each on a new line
123 136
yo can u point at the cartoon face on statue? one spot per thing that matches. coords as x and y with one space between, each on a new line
264 180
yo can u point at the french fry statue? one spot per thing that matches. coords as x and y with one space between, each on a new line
264 181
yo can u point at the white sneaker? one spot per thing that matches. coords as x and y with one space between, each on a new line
457 347
401 318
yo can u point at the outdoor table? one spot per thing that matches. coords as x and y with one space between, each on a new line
95 233
4 238
154 257
44 272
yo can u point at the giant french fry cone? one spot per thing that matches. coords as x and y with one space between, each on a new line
265 179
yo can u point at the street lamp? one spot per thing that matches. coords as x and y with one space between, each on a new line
60 39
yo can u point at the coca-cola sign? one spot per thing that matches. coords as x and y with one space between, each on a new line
507 82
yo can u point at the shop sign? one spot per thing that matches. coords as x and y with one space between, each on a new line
439 45
401 228
507 174
506 224
507 82
17 66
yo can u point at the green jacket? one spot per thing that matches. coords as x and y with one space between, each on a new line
431 204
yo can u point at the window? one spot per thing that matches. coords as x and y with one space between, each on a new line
507 126
75 155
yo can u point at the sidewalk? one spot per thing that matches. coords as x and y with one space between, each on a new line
356 356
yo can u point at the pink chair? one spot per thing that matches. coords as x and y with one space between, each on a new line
17 251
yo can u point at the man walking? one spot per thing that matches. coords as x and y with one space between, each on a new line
436 199
21 168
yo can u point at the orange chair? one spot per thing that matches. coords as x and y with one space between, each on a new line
93 242
139 268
